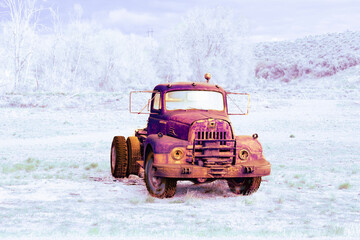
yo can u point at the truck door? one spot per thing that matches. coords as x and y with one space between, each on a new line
156 124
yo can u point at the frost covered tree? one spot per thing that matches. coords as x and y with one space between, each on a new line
47 64
83 56
208 40
20 34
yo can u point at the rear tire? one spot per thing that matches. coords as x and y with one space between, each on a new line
119 157
134 155
157 186
244 186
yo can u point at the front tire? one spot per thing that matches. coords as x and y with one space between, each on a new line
119 157
244 186
157 186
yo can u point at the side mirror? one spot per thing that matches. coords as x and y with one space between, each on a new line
238 103
137 100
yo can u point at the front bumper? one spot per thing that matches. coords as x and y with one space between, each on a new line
189 171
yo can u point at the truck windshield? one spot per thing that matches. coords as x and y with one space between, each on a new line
205 100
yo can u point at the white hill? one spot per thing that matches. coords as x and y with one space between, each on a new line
310 57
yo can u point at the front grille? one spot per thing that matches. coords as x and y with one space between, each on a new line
212 145
208 152
211 135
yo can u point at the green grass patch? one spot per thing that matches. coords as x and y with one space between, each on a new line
344 186
94 231
334 231
249 202
177 201
29 165
75 166
150 199
135 201
91 166
50 167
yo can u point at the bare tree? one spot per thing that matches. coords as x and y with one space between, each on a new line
21 28
207 40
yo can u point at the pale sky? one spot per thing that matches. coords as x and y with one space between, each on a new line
268 20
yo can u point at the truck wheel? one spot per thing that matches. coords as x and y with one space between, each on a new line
244 186
158 187
134 155
119 157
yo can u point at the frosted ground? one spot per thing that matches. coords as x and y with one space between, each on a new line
55 179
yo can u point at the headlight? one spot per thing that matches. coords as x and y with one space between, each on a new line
244 154
177 154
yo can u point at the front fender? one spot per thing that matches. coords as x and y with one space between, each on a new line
253 146
164 144
256 164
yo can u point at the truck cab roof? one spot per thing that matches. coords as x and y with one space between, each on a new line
166 87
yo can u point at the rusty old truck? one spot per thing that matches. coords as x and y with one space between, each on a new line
189 137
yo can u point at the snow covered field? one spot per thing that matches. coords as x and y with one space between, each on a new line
55 177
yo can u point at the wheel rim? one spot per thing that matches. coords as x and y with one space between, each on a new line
113 158
239 184
156 183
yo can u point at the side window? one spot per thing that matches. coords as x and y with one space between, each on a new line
157 102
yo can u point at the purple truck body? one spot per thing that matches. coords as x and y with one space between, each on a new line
196 144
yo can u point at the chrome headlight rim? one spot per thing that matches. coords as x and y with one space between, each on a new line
177 154
244 154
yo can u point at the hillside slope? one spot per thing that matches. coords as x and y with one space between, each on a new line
309 57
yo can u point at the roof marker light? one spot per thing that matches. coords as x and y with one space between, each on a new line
207 77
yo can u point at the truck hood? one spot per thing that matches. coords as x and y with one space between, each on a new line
190 116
